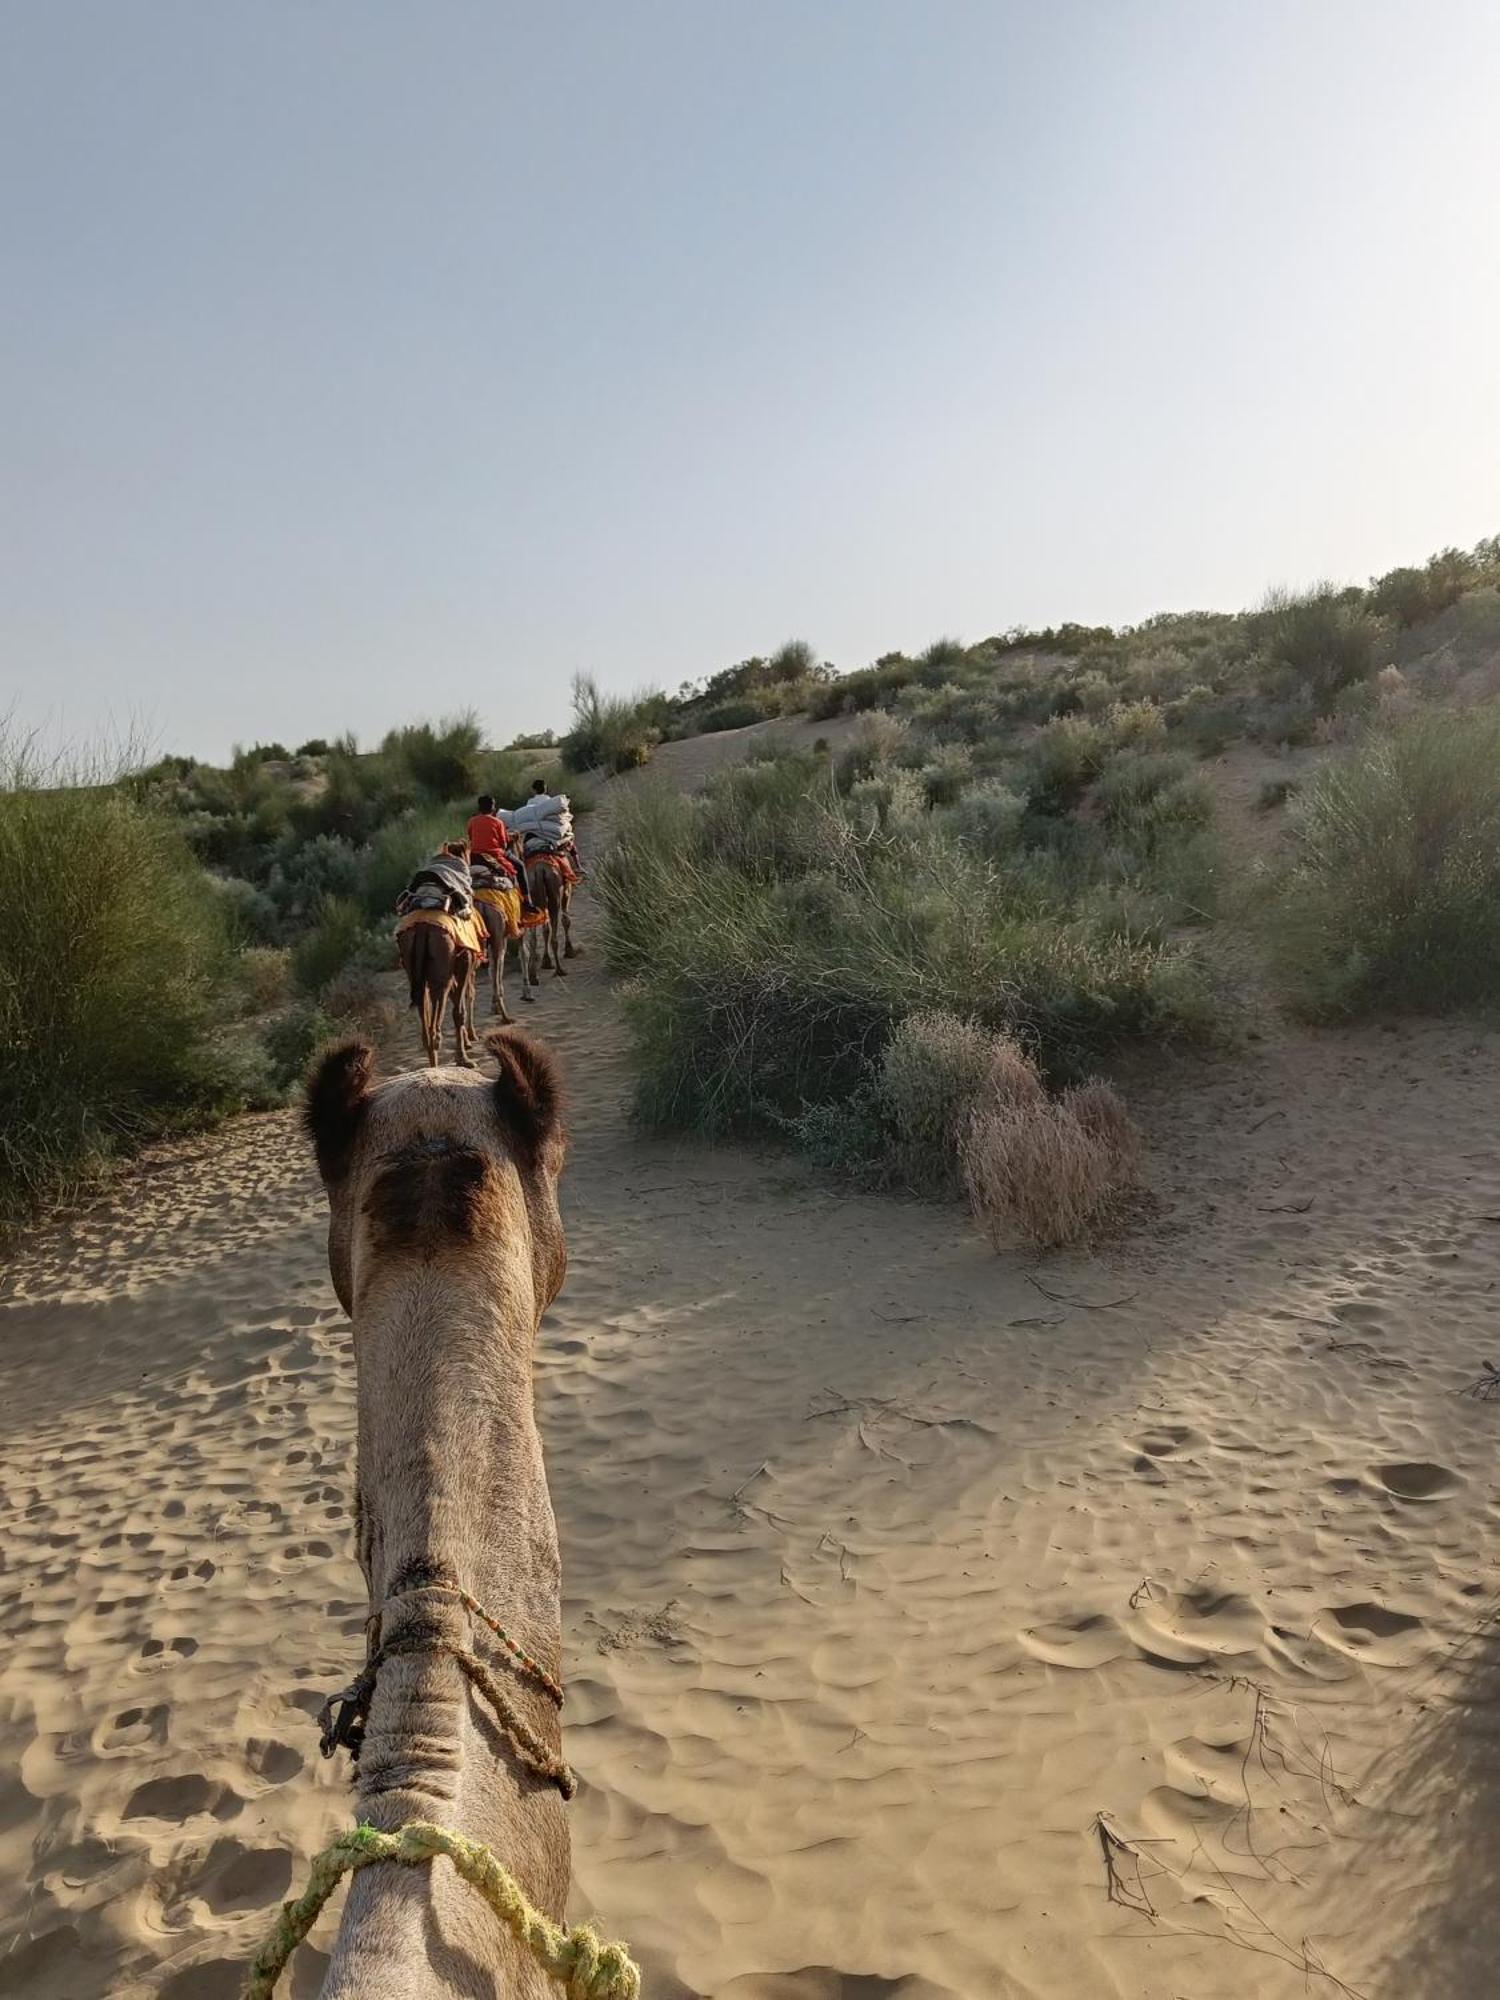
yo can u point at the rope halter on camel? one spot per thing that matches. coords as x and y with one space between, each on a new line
579 1960
342 1719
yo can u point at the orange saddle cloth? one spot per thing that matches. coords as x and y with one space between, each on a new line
467 932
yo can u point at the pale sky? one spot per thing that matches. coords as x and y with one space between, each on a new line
366 361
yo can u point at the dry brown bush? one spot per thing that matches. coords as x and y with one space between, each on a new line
1050 1170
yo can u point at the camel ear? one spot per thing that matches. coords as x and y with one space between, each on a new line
338 1094
528 1098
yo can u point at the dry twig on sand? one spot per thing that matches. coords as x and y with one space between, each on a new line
1092 1305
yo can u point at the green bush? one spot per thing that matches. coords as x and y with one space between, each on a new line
776 935
1064 758
292 1038
1320 640
110 979
337 934
1390 894
399 849
731 715
610 732
442 760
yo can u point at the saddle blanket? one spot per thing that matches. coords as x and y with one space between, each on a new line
467 932
555 860
507 902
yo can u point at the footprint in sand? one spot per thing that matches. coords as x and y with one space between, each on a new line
1416 1479
180 1797
134 1726
1373 1632
236 1877
274 1761
1196 1626
1091 1640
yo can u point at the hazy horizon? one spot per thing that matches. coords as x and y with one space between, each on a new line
366 363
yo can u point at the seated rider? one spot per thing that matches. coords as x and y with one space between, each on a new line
489 836
566 847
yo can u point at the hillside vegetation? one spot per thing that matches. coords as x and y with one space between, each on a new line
1015 863
176 941
1022 842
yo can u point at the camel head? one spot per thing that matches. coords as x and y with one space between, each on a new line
442 1164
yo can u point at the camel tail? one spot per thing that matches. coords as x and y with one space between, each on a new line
415 956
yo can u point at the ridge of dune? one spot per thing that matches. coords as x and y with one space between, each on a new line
938 1626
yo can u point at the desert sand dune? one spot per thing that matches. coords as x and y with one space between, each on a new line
914 1597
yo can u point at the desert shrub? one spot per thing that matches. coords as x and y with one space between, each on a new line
1051 1171
878 740
292 1038
338 931
610 732
928 1078
987 818
1390 893
250 916
439 759
1410 596
306 873
891 800
1151 796
731 715
1064 758
358 997
315 746
776 936
263 974
110 982
1320 640
944 776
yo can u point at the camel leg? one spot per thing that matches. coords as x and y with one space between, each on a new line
432 1022
463 1011
494 923
554 924
565 911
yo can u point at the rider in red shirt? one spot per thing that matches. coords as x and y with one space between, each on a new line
488 835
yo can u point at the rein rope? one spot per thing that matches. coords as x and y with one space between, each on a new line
583 1964
578 1959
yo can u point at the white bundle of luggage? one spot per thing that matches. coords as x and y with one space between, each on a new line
545 821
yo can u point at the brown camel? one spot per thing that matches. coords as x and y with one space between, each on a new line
551 891
446 1247
440 971
500 943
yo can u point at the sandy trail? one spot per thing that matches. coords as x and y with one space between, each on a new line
887 1571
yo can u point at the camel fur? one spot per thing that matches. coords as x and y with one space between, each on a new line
552 892
440 973
445 1246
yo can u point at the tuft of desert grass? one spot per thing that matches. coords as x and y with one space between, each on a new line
1049 1171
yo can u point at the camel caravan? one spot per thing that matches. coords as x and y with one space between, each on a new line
446 1246
509 881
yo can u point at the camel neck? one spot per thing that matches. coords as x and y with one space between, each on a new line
452 1484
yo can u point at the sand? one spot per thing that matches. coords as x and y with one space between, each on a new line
912 1594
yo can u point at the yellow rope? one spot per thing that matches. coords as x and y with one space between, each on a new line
578 1959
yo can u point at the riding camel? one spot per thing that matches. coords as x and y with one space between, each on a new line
440 972
497 923
550 882
445 1247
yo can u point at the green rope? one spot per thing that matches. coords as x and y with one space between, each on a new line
578 1959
